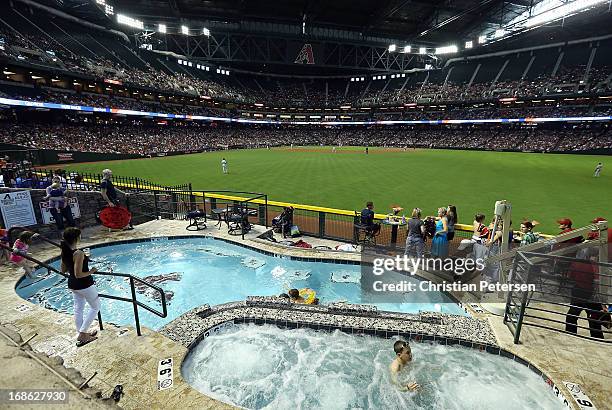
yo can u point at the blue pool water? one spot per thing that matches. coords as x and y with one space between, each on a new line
205 270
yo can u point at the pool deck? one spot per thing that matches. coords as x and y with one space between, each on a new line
122 357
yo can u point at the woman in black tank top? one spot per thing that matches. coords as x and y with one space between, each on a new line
81 283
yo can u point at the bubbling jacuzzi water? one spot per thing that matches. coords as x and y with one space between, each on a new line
267 367
196 271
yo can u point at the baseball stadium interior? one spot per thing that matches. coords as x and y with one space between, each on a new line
205 188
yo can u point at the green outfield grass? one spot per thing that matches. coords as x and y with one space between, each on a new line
544 187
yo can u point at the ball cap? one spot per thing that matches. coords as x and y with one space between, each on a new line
564 221
598 219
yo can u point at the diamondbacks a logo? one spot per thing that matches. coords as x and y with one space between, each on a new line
305 55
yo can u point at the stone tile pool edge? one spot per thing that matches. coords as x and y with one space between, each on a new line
199 323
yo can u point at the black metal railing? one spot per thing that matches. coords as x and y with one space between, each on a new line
561 288
132 299
40 178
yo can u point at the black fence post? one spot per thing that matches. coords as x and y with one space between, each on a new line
100 320
321 224
355 231
155 202
192 205
213 203
266 209
261 212
174 205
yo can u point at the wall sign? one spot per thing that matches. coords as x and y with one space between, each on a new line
17 209
46 213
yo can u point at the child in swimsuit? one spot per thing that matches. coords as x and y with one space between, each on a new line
20 248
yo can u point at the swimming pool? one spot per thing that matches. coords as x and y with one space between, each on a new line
195 271
267 367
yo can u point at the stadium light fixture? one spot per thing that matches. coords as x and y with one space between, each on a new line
226 72
109 10
499 32
422 50
384 77
362 78
185 30
129 21
469 44
353 79
374 78
392 48
218 71
446 49
162 28
206 31
407 49
482 39
403 75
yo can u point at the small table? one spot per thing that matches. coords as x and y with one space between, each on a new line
394 224
221 215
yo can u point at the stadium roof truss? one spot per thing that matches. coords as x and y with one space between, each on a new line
235 47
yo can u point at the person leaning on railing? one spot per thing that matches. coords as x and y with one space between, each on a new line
528 236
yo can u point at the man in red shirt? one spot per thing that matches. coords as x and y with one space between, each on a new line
595 235
565 225
583 295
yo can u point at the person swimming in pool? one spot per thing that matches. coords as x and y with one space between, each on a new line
296 297
404 356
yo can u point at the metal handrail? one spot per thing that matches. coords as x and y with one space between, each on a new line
518 310
135 302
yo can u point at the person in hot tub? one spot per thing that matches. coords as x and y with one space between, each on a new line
404 356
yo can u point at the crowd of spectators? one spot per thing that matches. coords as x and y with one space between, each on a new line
279 92
137 137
